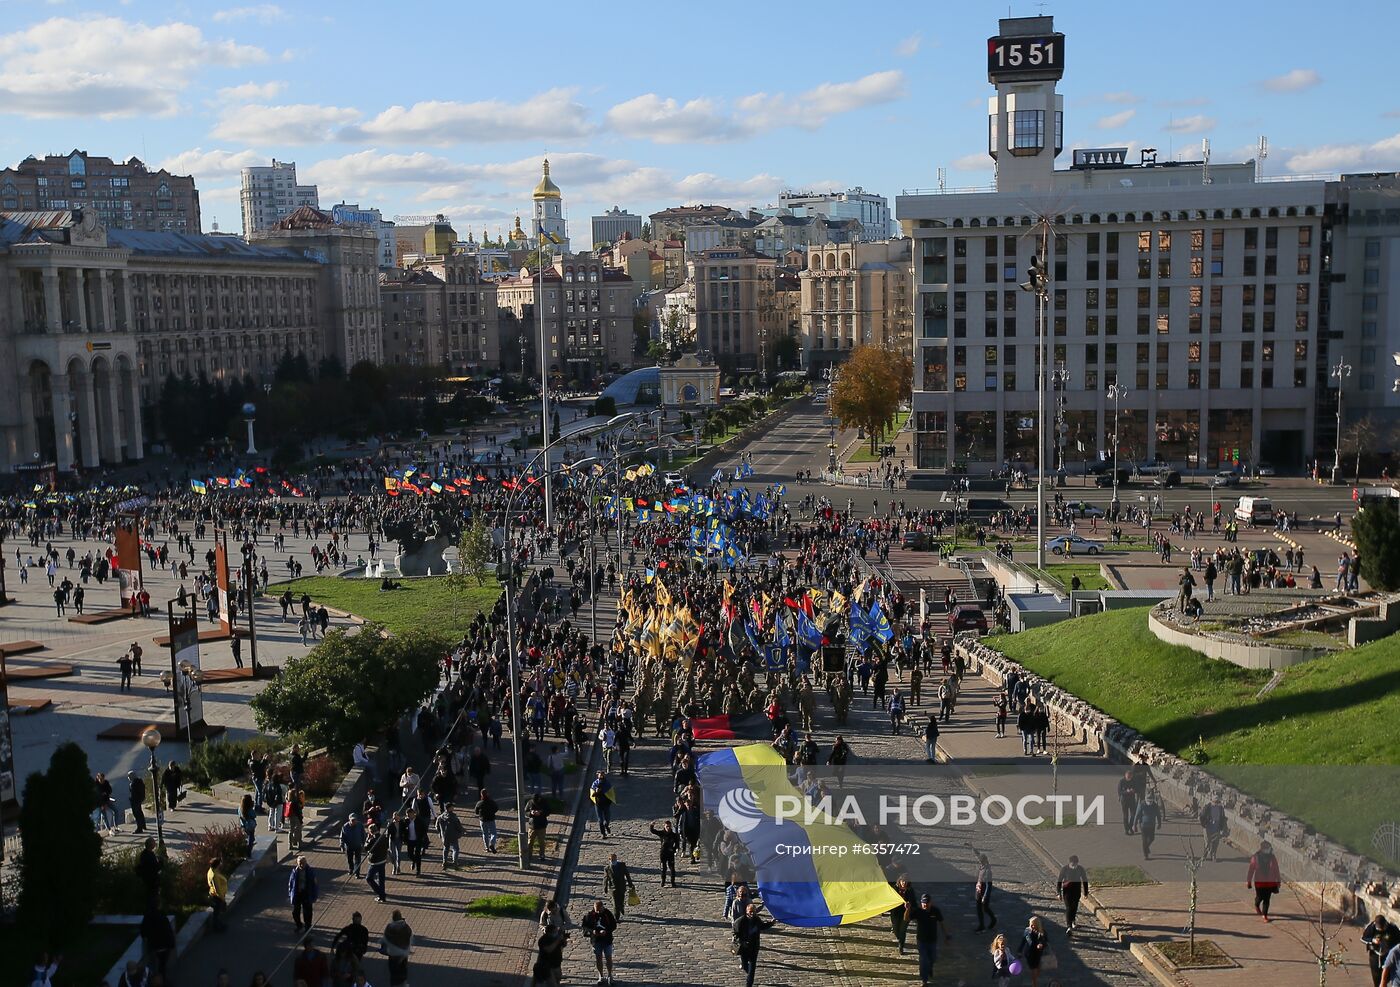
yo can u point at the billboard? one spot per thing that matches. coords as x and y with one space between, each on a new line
221 583
127 540
184 662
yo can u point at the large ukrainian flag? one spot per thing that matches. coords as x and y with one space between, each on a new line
810 874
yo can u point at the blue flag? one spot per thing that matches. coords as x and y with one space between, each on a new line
781 633
807 631
879 624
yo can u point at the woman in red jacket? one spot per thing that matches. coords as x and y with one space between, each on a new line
1263 877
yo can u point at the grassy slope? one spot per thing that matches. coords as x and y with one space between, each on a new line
420 603
1335 711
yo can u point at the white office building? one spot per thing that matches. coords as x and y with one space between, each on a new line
609 227
269 194
353 215
1202 290
870 210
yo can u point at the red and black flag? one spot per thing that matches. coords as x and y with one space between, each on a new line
743 726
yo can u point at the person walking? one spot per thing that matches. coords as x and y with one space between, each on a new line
352 842
1128 802
1026 725
293 815
1379 937
1033 947
1149 817
397 944
148 868
670 843
124 666
248 820
1071 887
301 893
1263 877
106 815
378 856
602 795
982 894
599 927
217 885
927 921
450 828
1214 825
172 780
537 811
486 810
901 913
136 797
1001 961
617 880
273 797
748 940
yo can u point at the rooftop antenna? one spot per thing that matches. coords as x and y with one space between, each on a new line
1261 152
216 224
1205 160
942 179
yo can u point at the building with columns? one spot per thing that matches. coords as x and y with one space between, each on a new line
439 311
93 321
855 294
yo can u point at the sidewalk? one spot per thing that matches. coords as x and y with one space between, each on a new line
1266 954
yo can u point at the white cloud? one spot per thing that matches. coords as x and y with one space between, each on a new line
707 121
1197 124
1382 155
471 212
666 121
1292 82
1184 102
909 47
1123 97
658 185
974 162
550 115
251 92
1115 120
294 123
365 171
211 164
264 13
106 66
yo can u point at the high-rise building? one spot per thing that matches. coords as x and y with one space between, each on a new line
269 193
735 313
124 195
610 226
347 214
1195 287
870 210
855 294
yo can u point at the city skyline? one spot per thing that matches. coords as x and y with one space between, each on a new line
461 131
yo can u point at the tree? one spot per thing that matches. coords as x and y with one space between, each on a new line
785 351
872 384
646 231
1359 437
351 686
473 557
62 851
1377 533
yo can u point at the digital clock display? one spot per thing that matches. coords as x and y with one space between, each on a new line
1026 56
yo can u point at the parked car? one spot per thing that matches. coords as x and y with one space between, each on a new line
1167 478
1075 544
673 479
1151 469
1226 478
966 617
1106 479
1081 509
915 541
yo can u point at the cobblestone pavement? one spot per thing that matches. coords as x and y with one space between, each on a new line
678 936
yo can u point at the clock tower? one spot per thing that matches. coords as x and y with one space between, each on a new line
1025 118
549 214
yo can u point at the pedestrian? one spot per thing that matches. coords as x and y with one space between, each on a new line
1033 947
450 828
236 645
1026 726
670 843
136 796
272 796
397 944
927 920
1127 802
599 926
1149 817
1263 877
352 842
1390 969
617 879
982 894
1215 826
931 740
378 856
1072 885
149 866
248 820
1002 959
748 939
217 885
486 810
602 795
301 893
1379 938
172 779
311 967
415 833
124 664
106 815
292 817
537 811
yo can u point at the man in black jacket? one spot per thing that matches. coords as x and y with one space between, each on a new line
748 935
670 843
148 868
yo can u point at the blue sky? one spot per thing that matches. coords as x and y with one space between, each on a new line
438 107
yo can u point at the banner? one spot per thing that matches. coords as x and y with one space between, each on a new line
128 544
221 581
184 649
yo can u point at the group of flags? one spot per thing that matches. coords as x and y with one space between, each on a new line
245 480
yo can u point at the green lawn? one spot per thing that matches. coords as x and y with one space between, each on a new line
506 906
863 453
419 603
1322 746
1064 574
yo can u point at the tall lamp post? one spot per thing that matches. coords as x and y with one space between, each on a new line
151 738
1339 373
250 413
1117 392
832 375
1039 285
517 738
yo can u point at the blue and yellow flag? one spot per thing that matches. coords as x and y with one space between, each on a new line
810 874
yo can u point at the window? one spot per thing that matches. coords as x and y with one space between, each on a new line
1246 377
1251 266
1267 351
1249 294
1196 294
1270 293
1144 268
1217 267
1270 265
1145 242
989 273
1300 351
1028 130
1197 267
1304 293
1373 244
1164 241
1247 322
1300 376
1144 297
1198 239
1251 238
1193 378
1305 236
1008 272
1091 270
1266 377
1305 263
1271 238
1368 330
1164 268
1091 244
1217 240
1371 278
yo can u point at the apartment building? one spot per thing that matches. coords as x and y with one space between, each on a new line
440 312
124 195
588 314
269 193
736 317
855 294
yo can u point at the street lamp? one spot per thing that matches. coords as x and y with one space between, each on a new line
250 412
1117 392
832 375
1039 285
151 738
1339 373
522 846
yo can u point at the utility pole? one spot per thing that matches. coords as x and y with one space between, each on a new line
1039 285
1339 373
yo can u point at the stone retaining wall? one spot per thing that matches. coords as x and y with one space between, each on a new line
1304 854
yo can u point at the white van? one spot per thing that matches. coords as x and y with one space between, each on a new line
1256 510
